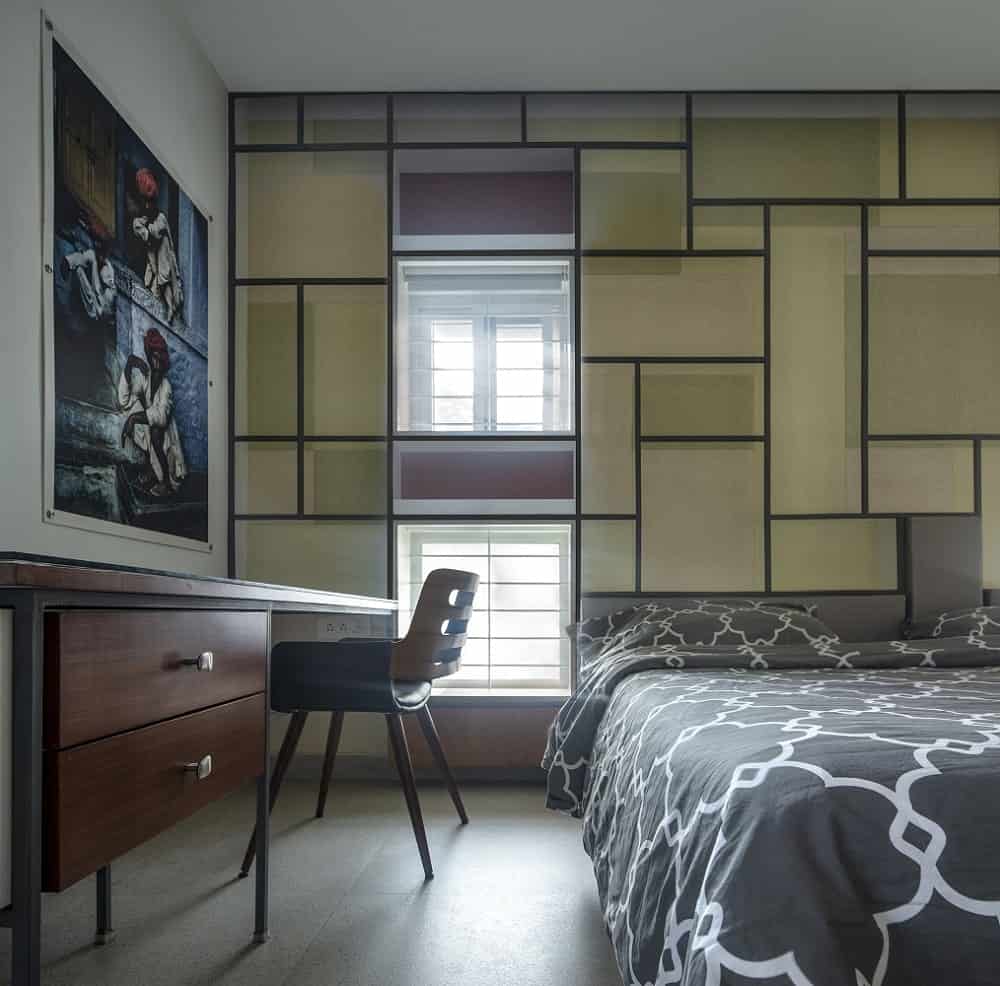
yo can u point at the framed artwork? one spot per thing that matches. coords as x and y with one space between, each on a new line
126 322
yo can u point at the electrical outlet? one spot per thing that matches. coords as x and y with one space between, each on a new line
336 626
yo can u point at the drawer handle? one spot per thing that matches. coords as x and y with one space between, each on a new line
205 661
200 768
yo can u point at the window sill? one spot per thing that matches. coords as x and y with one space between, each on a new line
543 698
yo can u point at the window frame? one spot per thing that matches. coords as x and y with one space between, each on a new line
415 410
410 574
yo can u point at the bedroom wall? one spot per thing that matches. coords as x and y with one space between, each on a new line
154 69
788 328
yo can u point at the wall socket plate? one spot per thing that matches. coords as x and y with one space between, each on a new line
336 626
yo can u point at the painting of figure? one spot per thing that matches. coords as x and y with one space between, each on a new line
128 398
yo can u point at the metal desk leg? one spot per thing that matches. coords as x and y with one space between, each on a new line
26 865
260 924
105 930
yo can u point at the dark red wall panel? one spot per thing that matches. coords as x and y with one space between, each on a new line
480 203
489 474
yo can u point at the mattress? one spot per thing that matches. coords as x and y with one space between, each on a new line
812 814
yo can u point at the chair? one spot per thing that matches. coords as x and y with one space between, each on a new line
393 677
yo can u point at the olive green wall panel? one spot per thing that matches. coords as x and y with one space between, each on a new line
673 306
607 561
703 517
839 553
934 329
815 359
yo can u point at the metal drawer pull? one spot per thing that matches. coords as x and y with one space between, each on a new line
202 768
205 661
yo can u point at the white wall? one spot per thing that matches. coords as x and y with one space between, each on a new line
153 68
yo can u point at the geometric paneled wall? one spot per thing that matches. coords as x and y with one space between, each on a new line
783 336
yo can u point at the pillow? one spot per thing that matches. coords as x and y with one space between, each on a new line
980 621
708 622
590 637
699 622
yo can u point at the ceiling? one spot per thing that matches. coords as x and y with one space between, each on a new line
598 44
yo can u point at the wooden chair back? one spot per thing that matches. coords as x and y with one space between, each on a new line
432 647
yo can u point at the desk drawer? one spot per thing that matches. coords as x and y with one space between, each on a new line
107 671
106 797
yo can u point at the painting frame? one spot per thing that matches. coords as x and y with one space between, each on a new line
162 519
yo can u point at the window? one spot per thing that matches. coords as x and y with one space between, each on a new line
515 638
484 346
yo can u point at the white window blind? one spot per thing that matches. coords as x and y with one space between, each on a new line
516 639
484 346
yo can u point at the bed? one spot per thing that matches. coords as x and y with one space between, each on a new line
767 798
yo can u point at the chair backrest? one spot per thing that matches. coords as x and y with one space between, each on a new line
432 647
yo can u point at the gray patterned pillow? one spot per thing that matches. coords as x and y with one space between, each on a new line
699 622
980 621
591 637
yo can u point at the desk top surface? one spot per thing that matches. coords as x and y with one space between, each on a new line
42 572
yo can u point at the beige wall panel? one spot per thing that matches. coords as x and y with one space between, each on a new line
607 459
313 214
702 518
266 364
656 306
344 119
345 361
345 477
809 555
728 227
712 399
607 560
953 145
934 227
991 514
794 146
934 326
605 117
457 117
815 360
266 477
266 120
920 477
634 200
337 556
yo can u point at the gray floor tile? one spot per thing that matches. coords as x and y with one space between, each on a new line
512 902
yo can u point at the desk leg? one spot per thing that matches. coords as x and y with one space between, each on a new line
26 865
105 929
260 925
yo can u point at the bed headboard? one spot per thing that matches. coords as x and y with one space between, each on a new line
941 569
943 564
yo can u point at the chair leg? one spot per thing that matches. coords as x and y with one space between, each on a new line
437 751
285 754
401 754
332 742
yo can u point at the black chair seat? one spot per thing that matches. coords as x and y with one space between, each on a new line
341 675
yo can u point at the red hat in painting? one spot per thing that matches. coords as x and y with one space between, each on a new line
98 230
155 343
146 184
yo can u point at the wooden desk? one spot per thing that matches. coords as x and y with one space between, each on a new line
137 697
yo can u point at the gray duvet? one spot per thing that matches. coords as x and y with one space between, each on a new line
825 815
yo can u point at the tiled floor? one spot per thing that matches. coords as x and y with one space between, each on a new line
513 901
